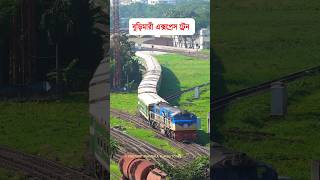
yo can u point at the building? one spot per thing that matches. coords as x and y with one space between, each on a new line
128 2
139 1
153 2
125 2
200 40
150 2
204 38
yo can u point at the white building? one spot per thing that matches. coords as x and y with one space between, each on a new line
153 2
124 2
128 2
139 1
200 40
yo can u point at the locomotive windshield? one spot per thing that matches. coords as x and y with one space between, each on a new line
186 116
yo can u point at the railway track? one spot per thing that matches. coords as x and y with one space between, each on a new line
179 93
37 166
139 147
222 101
191 150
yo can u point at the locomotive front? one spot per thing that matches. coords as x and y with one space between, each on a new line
176 123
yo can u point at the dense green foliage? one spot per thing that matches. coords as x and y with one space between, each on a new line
130 67
196 169
76 28
7 9
114 147
197 9
256 41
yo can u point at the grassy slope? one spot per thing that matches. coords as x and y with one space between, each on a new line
124 101
144 134
54 130
257 41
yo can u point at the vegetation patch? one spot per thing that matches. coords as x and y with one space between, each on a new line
114 170
126 102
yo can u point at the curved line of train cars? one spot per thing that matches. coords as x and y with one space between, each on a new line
172 121
99 99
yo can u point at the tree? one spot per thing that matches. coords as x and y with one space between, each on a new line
7 10
130 65
79 29
57 22
114 147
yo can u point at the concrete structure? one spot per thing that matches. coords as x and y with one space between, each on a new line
200 40
209 124
153 2
315 170
278 99
204 38
196 92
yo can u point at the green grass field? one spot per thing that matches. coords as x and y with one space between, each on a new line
56 130
124 101
256 41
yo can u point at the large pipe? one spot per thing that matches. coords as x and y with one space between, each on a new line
136 167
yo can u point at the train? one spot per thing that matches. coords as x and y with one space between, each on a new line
171 121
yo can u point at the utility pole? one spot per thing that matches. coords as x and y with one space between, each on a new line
57 66
116 42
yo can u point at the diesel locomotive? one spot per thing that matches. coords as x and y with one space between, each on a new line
171 121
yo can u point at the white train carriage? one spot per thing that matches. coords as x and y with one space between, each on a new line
152 76
148 84
146 101
149 62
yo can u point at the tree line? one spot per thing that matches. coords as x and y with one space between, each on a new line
197 9
70 39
